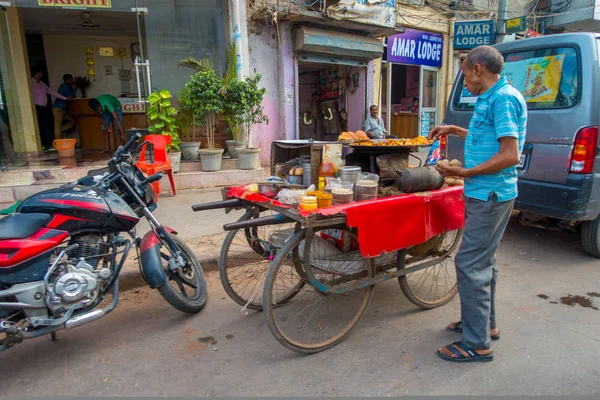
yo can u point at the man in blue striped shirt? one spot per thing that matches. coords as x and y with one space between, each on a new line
493 145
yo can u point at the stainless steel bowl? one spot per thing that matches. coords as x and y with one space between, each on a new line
270 189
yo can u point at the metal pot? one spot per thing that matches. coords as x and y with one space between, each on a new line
270 189
420 179
349 173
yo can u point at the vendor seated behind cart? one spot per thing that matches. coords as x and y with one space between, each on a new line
109 111
374 124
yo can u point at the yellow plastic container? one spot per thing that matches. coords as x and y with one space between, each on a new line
65 147
308 203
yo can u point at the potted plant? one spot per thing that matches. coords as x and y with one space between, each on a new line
187 123
251 113
233 108
207 103
163 120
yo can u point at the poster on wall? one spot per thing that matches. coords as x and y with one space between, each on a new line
537 79
425 121
416 48
371 12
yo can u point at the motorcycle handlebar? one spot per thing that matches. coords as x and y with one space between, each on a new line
128 146
151 179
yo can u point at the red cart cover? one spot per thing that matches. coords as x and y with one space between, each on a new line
392 223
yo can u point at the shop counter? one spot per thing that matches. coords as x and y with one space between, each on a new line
405 125
90 128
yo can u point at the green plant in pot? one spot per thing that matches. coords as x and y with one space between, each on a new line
206 101
163 120
233 109
251 113
188 122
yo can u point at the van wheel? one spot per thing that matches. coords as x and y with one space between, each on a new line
590 237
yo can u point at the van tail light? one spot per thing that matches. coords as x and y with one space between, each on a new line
443 146
585 150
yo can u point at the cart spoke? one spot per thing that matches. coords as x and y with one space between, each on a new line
314 320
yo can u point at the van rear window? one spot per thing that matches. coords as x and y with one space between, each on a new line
547 78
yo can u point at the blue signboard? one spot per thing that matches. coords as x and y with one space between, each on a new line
470 34
416 48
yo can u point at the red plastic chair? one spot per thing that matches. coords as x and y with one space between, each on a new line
161 161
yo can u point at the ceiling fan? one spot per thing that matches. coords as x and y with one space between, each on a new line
86 17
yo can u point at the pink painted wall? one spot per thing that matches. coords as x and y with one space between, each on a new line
277 66
263 53
356 101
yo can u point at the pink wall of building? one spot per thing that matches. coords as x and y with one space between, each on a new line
356 101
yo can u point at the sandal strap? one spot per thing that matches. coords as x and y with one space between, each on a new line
455 351
469 350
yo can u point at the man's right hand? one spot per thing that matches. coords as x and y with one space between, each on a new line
440 130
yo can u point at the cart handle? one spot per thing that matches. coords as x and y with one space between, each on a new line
233 203
261 221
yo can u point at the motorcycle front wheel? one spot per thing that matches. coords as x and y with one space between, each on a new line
186 288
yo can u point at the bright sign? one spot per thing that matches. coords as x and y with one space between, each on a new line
76 3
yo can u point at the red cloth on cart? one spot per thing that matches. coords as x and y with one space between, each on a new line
240 192
391 223
395 223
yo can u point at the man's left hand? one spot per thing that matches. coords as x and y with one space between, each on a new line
453 171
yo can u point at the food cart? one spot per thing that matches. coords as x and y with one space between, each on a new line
313 272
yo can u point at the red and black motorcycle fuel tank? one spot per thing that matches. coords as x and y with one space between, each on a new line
78 209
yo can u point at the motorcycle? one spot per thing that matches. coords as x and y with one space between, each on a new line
62 252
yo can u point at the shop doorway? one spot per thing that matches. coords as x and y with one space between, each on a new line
331 99
409 97
104 51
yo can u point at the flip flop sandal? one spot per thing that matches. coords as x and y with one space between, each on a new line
460 357
458 328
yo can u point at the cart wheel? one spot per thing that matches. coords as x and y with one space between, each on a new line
314 321
245 258
434 286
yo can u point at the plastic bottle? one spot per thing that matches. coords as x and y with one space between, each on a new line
327 170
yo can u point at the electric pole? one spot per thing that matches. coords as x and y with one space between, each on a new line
501 21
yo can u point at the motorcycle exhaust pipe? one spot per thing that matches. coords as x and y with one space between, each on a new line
96 314
84 319
261 221
233 203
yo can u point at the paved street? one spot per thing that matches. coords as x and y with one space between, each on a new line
145 347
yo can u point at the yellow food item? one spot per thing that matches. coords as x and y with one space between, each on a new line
358 135
299 171
293 171
459 182
252 188
421 140
443 164
450 181
455 163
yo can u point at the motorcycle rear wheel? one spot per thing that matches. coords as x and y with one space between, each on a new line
174 290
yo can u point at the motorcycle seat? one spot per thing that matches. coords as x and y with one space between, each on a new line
21 226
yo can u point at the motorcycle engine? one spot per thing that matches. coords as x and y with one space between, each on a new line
79 280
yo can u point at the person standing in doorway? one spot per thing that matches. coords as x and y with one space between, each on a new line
374 127
40 98
414 107
63 120
109 112
493 145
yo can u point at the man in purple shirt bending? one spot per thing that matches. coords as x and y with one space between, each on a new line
40 98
